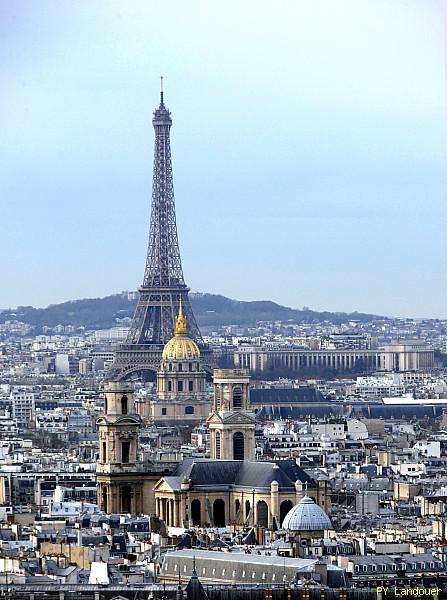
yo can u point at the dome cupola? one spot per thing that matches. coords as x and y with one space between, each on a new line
306 516
181 347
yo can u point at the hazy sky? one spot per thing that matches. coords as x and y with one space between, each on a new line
309 149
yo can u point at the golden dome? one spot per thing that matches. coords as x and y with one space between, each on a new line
181 347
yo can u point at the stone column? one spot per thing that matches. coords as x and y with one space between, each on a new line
184 499
168 512
114 499
182 512
176 513
298 491
274 502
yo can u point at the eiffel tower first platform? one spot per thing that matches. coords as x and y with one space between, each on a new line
163 285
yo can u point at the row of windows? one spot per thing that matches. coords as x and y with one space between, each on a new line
125 452
180 386
237 397
395 567
180 367
124 405
245 574
238 445
189 410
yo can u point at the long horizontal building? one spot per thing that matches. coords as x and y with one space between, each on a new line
239 568
411 356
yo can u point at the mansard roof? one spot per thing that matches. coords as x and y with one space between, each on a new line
238 473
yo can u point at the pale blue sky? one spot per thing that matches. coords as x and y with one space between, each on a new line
309 149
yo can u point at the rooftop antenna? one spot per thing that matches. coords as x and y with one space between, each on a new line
161 89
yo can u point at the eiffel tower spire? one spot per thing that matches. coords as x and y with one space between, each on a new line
163 291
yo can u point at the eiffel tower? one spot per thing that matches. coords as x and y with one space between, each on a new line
163 286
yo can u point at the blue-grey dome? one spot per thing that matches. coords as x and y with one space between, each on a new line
306 516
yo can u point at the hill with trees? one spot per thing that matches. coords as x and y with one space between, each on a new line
211 310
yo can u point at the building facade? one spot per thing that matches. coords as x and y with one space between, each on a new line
182 395
231 422
125 483
224 493
394 357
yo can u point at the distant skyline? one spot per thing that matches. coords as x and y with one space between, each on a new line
309 149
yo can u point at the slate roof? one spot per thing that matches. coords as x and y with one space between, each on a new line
238 473
297 411
94 540
7 535
285 395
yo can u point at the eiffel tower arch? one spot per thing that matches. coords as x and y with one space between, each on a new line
163 285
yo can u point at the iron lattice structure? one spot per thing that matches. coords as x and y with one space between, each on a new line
163 283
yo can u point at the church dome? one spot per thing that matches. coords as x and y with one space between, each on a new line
181 347
306 516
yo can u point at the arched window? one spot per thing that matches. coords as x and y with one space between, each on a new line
189 410
238 446
263 514
105 503
190 386
104 452
247 508
217 442
169 385
180 386
126 499
195 512
219 513
125 452
237 397
124 405
170 366
217 397
286 505
237 511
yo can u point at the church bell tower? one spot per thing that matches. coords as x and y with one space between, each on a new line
119 468
231 422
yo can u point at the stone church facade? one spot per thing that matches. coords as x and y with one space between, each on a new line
230 488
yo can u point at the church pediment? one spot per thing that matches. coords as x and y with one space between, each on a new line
162 486
214 418
239 419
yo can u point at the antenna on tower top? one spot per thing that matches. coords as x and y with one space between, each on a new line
161 89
